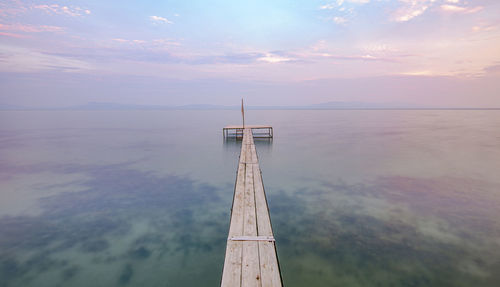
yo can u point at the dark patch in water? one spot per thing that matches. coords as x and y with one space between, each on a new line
126 274
85 220
95 245
69 272
140 253
371 251
9 269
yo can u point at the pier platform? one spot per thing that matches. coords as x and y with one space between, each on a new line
251 258
258 131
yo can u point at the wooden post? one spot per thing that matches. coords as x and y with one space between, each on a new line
243 112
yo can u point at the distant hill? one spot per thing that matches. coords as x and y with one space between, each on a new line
363 105
105 106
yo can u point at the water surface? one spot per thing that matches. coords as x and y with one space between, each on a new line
357 198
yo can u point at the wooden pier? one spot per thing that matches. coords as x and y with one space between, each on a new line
258 131
251 258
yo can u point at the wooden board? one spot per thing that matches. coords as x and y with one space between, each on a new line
232 127
249 260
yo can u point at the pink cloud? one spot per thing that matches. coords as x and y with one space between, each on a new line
119 40
13 7
484 27
409 12
459 9
62 10
30 28
413 8
16 7
6 34
493 69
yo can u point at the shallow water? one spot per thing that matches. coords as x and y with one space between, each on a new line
357 198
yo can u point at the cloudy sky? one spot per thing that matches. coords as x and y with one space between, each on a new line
423 52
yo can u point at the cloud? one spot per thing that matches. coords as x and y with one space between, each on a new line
13 7
320 56
16 59
427 73
160 20
493 70
62 10
155 43
366 57
484 27
460 9
120 40
6 34
413 8
339 3
343 9
327 6
339 20
273 58
30 28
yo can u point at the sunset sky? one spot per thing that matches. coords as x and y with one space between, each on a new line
420 52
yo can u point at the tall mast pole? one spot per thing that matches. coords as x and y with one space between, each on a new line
243 112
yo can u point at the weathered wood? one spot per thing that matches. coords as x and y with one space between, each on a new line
261 131
250 253
243 153
269 267
237 217
231 275
250 223
263 221
234 250
250 274
252 238
247 127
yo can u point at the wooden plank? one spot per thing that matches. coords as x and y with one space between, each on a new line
250 222
237 215
263 220
248 136
252 238
254 153
250 272
231 274
243 153
269 268
247 127
248 157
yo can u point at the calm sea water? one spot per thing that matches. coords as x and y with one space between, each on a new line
357 198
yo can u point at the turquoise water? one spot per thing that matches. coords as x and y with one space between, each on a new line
357 198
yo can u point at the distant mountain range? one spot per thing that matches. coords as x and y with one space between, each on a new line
103 106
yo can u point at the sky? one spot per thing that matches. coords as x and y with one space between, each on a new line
417 52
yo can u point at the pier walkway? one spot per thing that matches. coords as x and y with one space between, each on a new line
251 258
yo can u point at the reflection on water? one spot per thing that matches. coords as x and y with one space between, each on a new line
125 220
363 235
357 198
263 145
